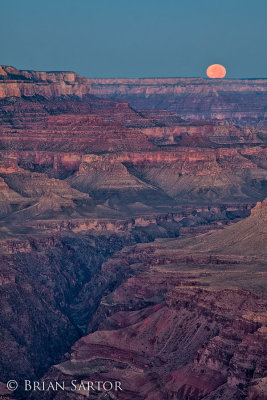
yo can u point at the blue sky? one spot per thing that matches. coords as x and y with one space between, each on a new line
137 38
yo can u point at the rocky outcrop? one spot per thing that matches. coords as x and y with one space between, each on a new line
18 83
204 134
105 172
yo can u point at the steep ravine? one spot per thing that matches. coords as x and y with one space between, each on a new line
185 320
51 286
49 289
38 288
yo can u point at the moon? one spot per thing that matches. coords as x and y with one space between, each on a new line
216 71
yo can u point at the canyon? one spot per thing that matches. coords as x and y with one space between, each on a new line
242 101
133 236
188 321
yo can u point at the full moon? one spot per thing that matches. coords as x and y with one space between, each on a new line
216 71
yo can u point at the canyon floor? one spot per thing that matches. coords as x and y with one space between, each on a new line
133 236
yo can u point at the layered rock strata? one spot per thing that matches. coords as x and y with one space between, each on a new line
181 326
242 101
82 177
18 83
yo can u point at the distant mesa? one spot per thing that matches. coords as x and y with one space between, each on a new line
216 71
27 83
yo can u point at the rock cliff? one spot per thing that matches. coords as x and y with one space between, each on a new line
242 101
18 83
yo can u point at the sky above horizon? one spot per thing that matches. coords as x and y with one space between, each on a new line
141 38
